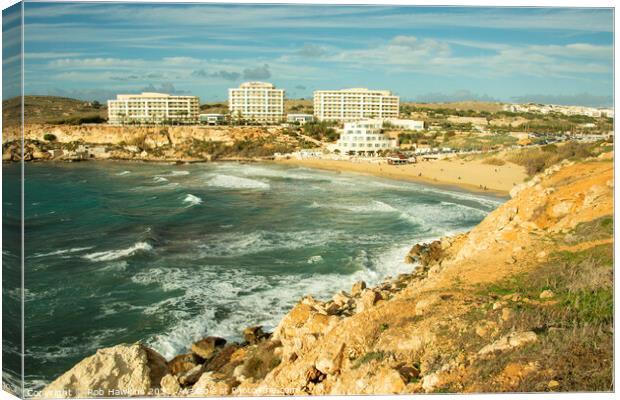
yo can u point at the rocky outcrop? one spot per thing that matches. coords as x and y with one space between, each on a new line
119 371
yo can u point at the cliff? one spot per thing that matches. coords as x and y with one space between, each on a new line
523 302
146 143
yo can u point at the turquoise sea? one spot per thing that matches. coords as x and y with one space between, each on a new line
120 252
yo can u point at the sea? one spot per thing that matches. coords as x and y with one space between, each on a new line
165 254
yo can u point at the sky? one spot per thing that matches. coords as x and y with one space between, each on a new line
94 51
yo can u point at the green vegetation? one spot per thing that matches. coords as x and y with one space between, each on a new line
536 160
384 327
54 109
476 142
323 130
368 357
50 137
80 119
494 161
574 327
263 147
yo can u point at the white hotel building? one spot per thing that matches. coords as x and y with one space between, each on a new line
257 102
355 104
153 108
364 138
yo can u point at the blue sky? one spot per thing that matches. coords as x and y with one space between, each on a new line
93 51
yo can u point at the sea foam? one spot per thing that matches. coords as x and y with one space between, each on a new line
235 182
192 200
110 255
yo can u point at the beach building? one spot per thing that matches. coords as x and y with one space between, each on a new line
212 119
364 138
355 104
257 102
299 118
153 108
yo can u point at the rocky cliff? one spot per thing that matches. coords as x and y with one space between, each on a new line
147 143
523 302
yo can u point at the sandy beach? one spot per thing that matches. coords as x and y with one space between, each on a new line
470 175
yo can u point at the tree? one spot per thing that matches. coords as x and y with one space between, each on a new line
50 137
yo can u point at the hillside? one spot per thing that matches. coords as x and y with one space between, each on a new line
53 110
459 105
523 302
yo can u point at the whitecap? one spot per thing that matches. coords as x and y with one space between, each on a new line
315 259
123 173
62 251
235 182
192 200
110 255
159 179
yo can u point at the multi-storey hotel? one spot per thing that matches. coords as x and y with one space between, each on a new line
364 138
354 104
153 108
257 102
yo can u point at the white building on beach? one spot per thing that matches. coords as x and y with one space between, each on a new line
153 108
355 104
364 138
257 102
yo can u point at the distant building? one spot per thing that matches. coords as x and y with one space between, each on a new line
355 104
299 118
364 138
256 102
212 119
153 108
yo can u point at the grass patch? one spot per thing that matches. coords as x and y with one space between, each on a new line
368 357
536 160
575 327
494 161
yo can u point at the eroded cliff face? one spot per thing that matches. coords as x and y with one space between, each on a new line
520 303
146 143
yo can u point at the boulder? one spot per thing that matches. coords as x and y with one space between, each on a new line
507 314
211 384
190 377
170 385
207 347
224 357
341 298
121 371
546 294
255 334
367 300
509 341
183 363
357 288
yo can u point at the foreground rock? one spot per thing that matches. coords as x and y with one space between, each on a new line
119 371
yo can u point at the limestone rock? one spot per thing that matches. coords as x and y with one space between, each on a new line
255 334
509 341
211 384
368 299
182 363
170 385
190 377
357 288
546 294
207 347
507 314
124 370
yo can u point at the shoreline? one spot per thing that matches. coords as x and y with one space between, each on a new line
463 175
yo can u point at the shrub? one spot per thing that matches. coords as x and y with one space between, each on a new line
50 137
494 161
